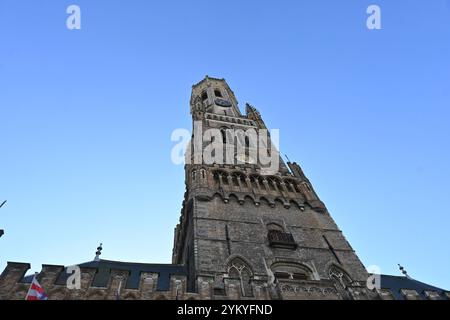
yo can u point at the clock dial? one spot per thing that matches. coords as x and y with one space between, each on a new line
223 103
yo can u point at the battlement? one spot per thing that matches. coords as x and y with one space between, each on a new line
137 281
100 280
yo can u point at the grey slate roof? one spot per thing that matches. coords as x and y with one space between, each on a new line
396 283
134 270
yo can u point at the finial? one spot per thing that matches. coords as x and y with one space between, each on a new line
98 252
404 272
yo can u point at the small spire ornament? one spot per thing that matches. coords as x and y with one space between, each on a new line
98 252
403 271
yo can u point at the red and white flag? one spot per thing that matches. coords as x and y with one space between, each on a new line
36 292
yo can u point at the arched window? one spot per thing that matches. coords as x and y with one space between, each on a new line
275 227
341 279
204 96
253 182
236 179
272 185
224 135
306 186
217 93
288 186
238 269
291 271
193 175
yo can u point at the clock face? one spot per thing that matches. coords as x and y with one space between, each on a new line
223 103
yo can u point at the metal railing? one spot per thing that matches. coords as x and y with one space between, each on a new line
281 239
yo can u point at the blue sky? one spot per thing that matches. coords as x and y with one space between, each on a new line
86 118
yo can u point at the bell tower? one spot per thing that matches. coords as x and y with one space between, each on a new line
216 97
244 233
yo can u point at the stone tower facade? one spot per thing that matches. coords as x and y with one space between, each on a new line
245 233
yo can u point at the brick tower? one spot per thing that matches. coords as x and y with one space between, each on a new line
246 232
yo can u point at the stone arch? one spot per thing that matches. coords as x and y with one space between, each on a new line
272 184
224 174
297 187
217 195
306 186
239 268
239 177
279 201
96 294
253 179
233 196
339 276
248 197
263 200
131 296
291 270
274 226
240 257
296 204
289 185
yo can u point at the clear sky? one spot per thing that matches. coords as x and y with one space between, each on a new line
86 118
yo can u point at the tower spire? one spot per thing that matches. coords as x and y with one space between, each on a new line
1 230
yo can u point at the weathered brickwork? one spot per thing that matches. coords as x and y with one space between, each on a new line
242 226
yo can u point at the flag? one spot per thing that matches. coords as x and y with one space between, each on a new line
36 292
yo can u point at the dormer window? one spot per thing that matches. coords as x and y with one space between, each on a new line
217 93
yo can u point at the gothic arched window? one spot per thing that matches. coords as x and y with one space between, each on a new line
247 142
272 185
275 227
291 271
223 131
238 269
341 279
